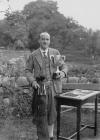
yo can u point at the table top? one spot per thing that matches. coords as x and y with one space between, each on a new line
79 94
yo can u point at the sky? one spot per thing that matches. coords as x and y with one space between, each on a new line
85 12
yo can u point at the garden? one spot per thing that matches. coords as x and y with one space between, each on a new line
19 31
16 97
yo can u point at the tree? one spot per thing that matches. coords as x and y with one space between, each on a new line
44 16
39 16
17 25
5 38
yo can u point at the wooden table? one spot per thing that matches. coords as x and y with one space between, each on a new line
76 98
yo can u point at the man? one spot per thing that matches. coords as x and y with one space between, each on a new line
40 70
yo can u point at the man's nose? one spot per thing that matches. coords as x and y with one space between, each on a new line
45 41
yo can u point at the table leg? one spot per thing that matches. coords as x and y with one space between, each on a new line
58 120
78 122
95 123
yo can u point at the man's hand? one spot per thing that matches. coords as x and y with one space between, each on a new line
58 75
62 74
35 85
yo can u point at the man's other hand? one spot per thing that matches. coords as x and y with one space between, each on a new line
35 85
62 74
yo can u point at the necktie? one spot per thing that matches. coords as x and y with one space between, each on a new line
44 53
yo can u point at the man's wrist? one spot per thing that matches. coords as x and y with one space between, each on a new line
64 74
33 82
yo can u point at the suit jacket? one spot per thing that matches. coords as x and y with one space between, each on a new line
34 67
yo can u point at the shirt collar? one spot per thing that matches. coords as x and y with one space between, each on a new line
46 51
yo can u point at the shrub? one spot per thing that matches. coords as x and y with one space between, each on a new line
22 103
16 102
85 74
15 98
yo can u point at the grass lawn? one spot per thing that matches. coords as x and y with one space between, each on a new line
23 129
68 123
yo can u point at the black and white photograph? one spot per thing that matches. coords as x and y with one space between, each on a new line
49 70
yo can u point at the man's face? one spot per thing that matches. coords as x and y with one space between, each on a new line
44 41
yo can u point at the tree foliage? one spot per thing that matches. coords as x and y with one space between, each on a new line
44 16
39 16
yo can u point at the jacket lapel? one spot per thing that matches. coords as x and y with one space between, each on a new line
39 57
50 52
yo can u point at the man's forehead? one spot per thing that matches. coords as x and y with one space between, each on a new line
45 34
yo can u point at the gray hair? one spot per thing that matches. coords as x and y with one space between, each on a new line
45 33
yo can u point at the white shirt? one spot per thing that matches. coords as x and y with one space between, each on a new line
42 51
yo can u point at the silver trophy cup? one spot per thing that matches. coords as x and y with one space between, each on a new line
57 61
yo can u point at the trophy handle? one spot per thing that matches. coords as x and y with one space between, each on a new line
52 58
63 57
